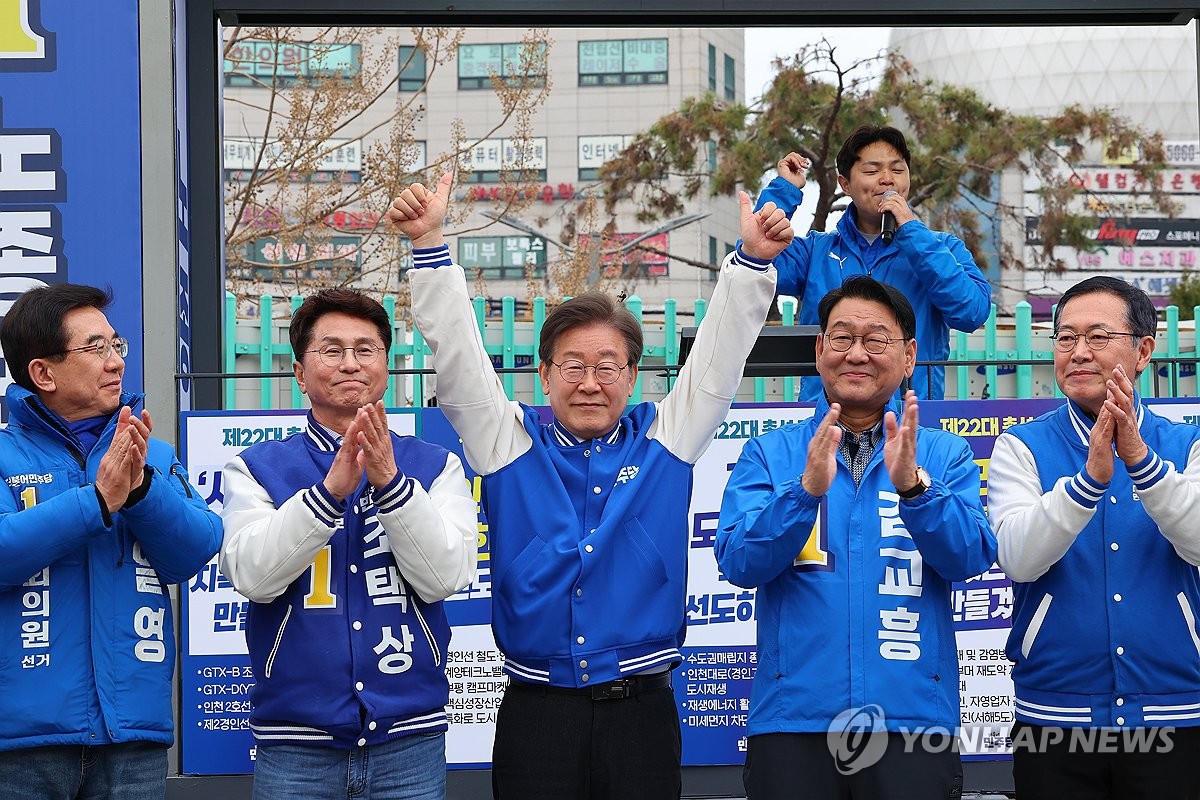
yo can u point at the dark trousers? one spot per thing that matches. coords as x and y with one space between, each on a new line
127 771
557 746
800 766
1104 764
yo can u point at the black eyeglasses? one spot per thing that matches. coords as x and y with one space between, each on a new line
573 371
1097 339
873 343
103 348
331 354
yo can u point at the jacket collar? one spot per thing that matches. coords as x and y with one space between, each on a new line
893 404
321 437
1081 422
27 410
565 438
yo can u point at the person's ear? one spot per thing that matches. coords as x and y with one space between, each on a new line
298 371
41 372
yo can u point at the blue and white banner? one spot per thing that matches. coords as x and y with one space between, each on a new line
712 686
70 155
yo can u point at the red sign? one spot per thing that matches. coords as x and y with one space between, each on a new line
647 256
547 194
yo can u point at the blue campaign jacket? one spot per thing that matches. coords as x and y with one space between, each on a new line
604 523
588 538
1108 635
934 270
87 642
367 663
853 588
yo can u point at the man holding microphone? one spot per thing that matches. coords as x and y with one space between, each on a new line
933 269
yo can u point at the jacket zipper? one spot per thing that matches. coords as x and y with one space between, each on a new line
187 489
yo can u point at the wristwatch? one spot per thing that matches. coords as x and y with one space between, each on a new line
923 483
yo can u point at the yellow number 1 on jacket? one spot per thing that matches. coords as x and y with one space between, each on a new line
815 553
319 592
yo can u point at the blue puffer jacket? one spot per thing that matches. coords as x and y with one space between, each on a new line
87 646
853 587
934 270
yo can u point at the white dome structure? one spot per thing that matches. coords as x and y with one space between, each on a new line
1147 74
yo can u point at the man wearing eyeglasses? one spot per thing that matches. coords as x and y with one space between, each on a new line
933 269
97 519
589 514
853 526
346 538
1095 507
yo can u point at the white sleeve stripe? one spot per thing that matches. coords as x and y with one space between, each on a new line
396 497
321 507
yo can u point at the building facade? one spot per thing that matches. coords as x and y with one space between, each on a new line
604 85
1145 73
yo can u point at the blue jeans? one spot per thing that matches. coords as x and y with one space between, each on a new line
408 768
128 771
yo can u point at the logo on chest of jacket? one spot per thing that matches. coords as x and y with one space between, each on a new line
29 478
626 474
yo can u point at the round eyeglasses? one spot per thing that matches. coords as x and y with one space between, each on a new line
573 371
1097 339
873 343
331 354
102 348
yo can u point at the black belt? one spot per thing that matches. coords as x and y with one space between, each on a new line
612 690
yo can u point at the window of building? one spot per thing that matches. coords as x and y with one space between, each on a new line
730 78
712 68
712 156
492 157
595 150
618 62
338 259
477 63
502 257
340 159
412 69
280 64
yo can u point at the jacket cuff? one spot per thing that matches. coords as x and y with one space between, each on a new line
105 516
1086 490
424 257
740 258
805 499
323 505
137 494
1149 471
395 494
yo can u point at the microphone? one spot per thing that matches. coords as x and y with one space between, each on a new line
889 221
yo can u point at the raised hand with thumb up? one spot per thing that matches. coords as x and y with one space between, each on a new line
766 232
418 213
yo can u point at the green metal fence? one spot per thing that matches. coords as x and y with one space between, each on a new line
1003 359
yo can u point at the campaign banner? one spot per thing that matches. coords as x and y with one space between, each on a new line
712 685
70 156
